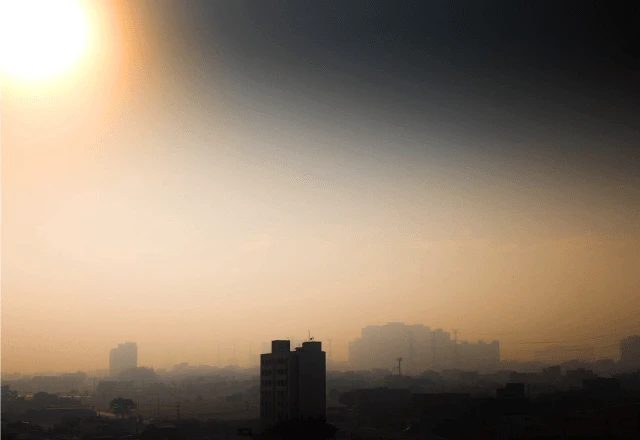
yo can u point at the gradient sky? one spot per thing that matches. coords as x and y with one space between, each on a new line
226 173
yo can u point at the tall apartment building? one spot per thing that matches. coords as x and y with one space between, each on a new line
122 358
292 383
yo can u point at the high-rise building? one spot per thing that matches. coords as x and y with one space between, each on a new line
292 383
122 358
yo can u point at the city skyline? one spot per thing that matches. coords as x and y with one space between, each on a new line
544 352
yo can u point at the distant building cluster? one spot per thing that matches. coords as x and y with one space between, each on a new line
122 358
420 348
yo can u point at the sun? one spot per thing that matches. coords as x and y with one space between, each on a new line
41 38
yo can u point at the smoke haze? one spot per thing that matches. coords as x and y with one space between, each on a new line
227 173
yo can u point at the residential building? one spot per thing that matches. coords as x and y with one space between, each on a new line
292 383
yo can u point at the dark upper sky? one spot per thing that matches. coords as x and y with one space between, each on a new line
558 78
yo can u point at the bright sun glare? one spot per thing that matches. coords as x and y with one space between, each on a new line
41 38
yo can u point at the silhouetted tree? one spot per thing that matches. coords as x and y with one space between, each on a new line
121 407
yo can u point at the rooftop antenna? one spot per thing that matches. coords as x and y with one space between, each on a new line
399 360
310 338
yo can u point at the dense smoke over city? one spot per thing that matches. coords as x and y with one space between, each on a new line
271 212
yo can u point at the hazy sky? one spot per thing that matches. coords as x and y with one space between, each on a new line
220 173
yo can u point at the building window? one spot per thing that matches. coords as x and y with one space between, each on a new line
281 371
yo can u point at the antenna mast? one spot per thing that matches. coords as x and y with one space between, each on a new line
399 360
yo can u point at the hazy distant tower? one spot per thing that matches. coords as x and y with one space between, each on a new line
123 357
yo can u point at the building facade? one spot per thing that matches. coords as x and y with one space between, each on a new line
122 358
292 383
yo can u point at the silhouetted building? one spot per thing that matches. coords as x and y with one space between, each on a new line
605 367
630 353
46 383
601 386
511 391
442 349
553 372
576 378
122 358
478 356
382 407
292 383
